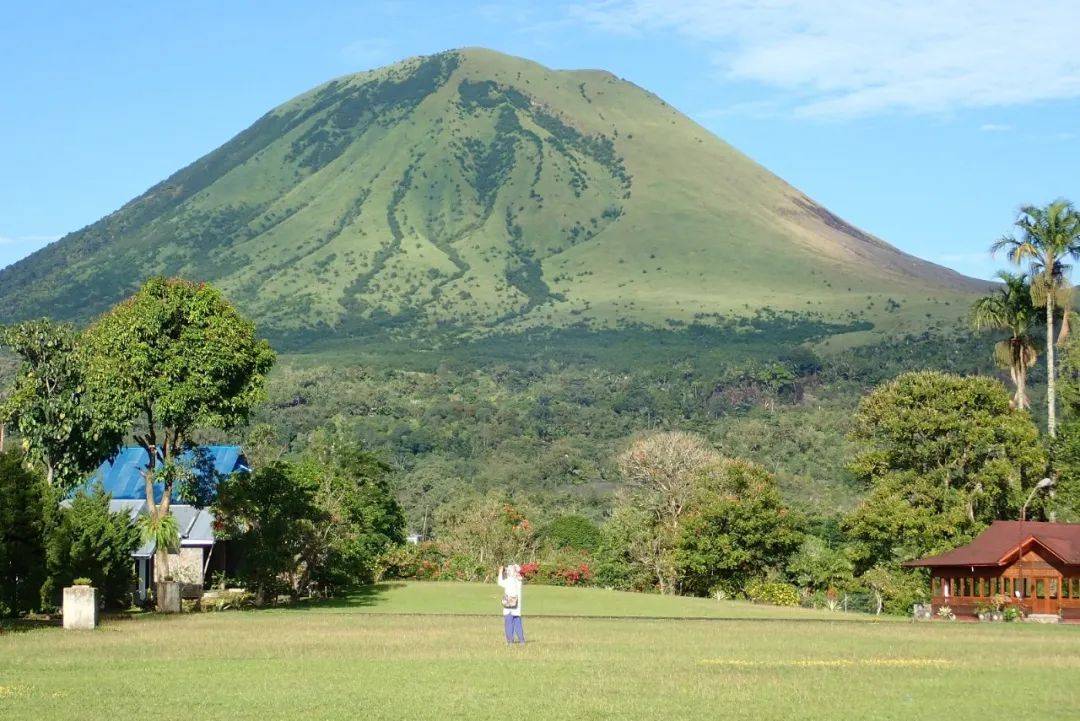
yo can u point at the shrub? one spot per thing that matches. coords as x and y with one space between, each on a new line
566 568
422 561
23 500
82 581
93 544
774 593
462 567
573 531
229 600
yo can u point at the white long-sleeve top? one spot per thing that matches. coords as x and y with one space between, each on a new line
512 587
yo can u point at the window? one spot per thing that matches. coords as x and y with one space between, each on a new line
1040 588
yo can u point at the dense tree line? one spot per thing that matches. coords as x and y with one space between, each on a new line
785 477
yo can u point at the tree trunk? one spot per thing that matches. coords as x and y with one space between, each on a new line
1051 389
161 561
1021 388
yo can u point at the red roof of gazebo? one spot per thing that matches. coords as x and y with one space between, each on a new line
998 545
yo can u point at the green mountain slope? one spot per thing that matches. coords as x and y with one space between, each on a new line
484 194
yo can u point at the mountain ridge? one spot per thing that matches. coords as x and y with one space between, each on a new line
478 193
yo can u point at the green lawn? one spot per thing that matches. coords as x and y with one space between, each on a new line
341 661
472 598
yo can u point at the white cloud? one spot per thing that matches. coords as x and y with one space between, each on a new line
995 128
844 58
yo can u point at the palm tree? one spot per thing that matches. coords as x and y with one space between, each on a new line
1010 308
1048 237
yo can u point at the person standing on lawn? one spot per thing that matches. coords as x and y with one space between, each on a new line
510 580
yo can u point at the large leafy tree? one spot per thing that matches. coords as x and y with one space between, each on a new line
61 428
317 525
481 533
737 529
172 359
662 473
1048 238
273 512
1011 308
364 519
942 456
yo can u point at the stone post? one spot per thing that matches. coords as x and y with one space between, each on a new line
80 607
168 596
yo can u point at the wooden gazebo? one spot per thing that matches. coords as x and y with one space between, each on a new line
1035 565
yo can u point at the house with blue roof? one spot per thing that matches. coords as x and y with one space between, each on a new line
200 553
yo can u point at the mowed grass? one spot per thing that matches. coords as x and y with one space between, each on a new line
341 661
475 598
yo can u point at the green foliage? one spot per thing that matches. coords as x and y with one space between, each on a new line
624 545
819 567
737 528
228 600
1069 378
61 428
562 567
572 531
943 455
1064 502
423 561
272 511
359 518
895 590
1012 613
24 499
1049 238
479 534
162 531
1011 308
88 541
174 358
178 357
774 593
323 523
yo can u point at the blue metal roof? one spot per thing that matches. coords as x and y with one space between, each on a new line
122 476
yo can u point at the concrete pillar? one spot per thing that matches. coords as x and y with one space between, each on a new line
80 607
168 596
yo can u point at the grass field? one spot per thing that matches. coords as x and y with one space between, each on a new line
386 654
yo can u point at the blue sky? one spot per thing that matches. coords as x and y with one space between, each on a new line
924 122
